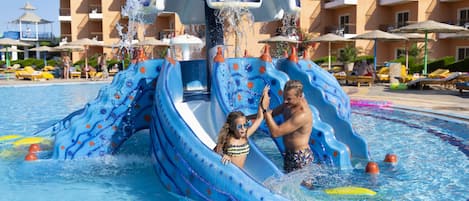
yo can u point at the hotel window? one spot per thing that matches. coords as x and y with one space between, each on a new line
400 53
344 24
402 19
463 52
463 17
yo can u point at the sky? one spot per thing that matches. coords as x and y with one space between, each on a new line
47 9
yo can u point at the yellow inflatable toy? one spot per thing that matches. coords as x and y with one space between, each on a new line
9 137
350 190
28 141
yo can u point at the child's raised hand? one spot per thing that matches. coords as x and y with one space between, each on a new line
265 97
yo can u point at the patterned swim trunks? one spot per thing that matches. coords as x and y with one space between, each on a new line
295 160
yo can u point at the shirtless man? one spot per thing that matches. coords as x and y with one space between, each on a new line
297 127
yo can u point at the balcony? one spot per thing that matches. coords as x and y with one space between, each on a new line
95 12
394 2
344 32
450 0
65 15
29 35
334 4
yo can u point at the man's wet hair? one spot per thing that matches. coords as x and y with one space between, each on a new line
294 84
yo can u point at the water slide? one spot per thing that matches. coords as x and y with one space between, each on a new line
182 150
102 126
323 91
238 85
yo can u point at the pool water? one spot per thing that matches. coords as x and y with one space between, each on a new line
433 157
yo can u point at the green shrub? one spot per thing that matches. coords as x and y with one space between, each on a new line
460 66
325 59
438 63
369 58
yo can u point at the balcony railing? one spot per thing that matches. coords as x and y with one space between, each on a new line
333 4
95 12
394 2
28 35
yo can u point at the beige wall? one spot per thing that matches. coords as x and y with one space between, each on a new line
367 15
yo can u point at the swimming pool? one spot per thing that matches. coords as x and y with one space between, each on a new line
432 162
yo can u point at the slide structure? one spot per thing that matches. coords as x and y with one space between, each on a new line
102 126
238 85
182 148
150 95
324 92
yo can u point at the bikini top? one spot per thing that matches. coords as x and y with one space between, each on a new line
237 150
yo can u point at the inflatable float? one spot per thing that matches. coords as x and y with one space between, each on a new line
350 190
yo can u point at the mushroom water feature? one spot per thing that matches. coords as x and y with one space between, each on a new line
183 121
187 43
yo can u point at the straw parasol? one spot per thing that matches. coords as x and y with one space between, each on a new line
10 42
10 50
44 49
151 42
378 35
329 38
411 37
85 42
279 39
426 27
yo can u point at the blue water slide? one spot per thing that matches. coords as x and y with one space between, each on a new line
323 91
238 85
104 124
182 150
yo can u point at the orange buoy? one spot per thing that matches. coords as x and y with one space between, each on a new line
30 157
33 148
372 168
390 158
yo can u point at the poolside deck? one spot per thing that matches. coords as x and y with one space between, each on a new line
439 99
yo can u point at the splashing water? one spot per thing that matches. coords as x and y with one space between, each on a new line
231 17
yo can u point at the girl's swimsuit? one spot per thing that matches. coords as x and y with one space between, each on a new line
237 150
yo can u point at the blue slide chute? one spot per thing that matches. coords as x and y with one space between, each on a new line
104 124
182 150
238 85
324 92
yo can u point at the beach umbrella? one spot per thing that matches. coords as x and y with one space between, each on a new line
44 49
279 39
329 38
10 50
426 27
151 42
10 42
378 35
86 43
411 37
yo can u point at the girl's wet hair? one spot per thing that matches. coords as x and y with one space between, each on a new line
226 130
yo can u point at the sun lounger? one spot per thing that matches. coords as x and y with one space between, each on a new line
422 82
383 74
359 79
462 86
439 73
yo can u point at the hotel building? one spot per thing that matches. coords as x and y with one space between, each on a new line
98 19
